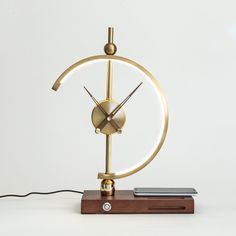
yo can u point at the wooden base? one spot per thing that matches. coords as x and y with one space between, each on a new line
124 202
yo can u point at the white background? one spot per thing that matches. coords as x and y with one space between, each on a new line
47 140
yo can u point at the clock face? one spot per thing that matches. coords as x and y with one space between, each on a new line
138 128
112 124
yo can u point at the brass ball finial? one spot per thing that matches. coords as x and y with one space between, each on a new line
110 48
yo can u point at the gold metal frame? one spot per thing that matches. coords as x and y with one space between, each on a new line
148 75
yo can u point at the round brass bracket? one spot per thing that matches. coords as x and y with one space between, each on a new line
158 89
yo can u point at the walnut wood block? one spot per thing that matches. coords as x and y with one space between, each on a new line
124 202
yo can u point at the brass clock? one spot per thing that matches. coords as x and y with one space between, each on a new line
108 116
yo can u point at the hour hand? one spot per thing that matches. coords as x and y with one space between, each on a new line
113 123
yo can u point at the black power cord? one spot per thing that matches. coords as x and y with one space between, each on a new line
41 193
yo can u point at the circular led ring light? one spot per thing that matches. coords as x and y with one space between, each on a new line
148 75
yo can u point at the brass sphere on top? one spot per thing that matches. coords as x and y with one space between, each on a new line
110 48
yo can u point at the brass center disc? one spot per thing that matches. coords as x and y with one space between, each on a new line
98 116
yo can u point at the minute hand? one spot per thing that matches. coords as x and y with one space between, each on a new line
110 116
96 102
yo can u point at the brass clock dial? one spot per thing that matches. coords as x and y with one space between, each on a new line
98 117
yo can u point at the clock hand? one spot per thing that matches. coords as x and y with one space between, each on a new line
124 101
110 116
113 123
96 102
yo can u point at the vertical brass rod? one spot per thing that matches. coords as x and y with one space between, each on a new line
109 80
108 153
109 137
107 185
110 34
109 96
